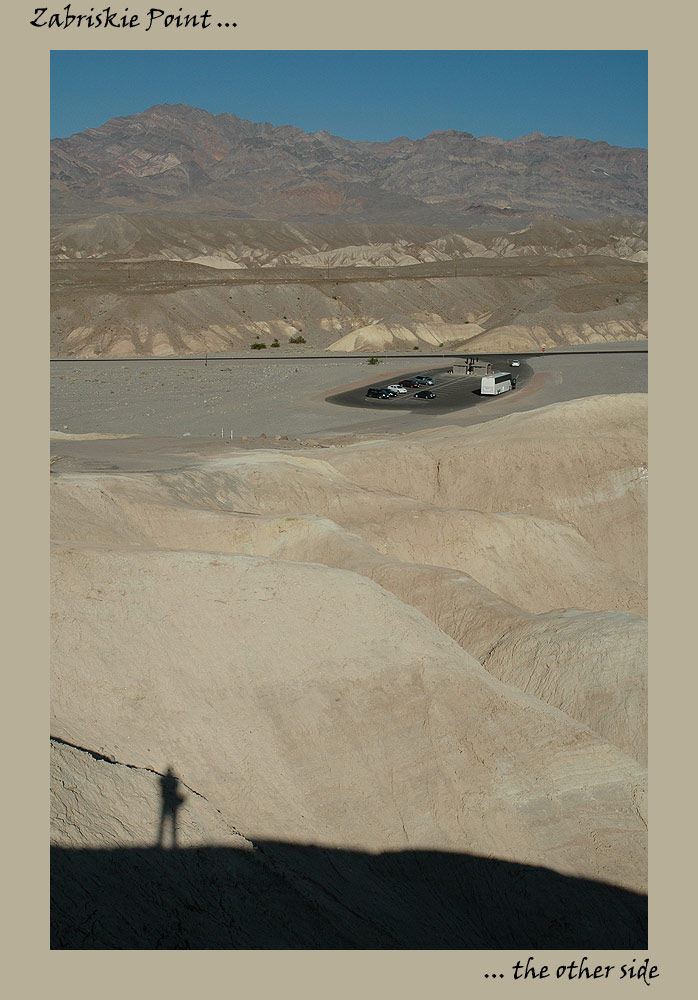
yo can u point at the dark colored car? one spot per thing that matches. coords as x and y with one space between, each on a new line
425 394
423 380
380 394
409 383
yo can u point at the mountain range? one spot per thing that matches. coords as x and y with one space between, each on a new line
175 159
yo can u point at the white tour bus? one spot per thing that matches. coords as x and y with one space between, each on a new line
495 383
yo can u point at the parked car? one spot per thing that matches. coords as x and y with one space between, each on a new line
423 379
396 388
375 393
515 363
409 383
425 394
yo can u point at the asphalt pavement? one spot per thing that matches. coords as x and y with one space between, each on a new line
454 388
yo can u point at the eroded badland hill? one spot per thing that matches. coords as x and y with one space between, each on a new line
369 649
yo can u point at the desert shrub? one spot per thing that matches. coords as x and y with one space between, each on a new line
373 361
416 347
297 340
275 343
258 347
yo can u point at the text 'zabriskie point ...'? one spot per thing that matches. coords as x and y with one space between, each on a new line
109 17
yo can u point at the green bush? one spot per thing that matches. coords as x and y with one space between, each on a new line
297 340
275 343
416 347
373 361
258 346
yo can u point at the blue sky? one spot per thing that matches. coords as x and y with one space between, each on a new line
375 95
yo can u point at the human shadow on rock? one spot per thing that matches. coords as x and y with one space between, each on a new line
171 799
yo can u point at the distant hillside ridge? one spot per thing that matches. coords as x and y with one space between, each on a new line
178 159
255 243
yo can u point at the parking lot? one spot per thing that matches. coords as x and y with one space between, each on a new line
455 391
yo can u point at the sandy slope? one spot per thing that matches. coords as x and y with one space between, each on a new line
180 662
270 503
581 463
383 674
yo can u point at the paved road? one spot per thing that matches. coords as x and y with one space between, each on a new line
620 347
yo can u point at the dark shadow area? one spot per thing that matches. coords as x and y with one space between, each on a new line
295 896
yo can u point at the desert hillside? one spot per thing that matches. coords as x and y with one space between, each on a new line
253 243
357 661
160 308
